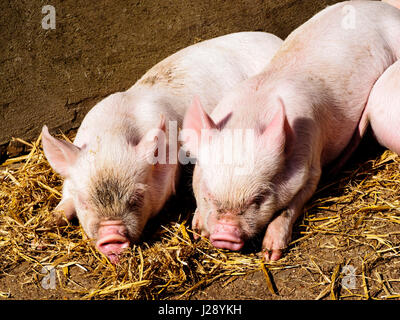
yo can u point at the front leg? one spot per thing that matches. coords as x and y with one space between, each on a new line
198 225
279 231
65 210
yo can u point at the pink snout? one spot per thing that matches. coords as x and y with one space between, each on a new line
226 236
112 240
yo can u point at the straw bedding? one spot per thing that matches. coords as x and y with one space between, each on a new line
352 221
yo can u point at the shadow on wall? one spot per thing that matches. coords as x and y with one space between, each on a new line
55 75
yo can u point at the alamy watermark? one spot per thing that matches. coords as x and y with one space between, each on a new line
231 147
349 278
49 280
49 20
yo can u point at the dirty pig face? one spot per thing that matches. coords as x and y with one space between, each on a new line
110 186
116 198
112 206
231 209
234 205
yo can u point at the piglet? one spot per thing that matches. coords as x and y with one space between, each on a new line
305 110
114 177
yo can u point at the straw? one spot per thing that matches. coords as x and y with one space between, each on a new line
356 214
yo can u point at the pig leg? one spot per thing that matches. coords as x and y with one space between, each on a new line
65 210
352 146
198 226
382 112
383 108
279 231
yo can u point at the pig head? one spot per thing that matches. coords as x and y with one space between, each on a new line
111 186
235 198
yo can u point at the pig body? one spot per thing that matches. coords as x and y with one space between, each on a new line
109 184
383 109
305 109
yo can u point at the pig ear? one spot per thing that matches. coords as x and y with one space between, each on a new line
61 154
274 135
149 143
195 120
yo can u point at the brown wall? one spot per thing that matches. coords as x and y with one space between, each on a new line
99 47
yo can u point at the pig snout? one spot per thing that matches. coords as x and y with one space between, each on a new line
112 239
226 236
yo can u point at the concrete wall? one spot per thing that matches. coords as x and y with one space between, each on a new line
99 47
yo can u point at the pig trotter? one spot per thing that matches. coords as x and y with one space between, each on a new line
277 237
64 212
198 226
279 231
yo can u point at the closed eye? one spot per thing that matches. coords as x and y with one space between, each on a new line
136 202
258 199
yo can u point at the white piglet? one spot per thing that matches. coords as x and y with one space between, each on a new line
306 109
110 183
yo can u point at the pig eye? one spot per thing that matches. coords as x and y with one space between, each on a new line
258 199
136 202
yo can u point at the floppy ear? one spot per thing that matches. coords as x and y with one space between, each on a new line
154 140
61 154
274 136
195 120
154 149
